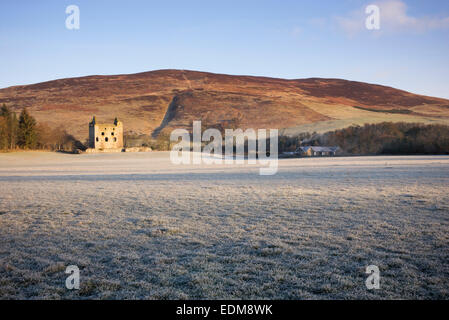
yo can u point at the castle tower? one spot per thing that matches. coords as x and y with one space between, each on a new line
105 135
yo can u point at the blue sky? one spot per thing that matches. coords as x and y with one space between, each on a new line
287 39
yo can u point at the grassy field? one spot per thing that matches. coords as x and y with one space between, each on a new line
139 227
345 116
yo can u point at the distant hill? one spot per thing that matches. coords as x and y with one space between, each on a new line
158 101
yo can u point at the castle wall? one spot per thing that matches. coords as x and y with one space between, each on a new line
106 136
91 135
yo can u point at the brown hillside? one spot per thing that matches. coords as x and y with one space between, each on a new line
158 101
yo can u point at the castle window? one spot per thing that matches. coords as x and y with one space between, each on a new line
102 133
97 139
112 133
115 139
106 139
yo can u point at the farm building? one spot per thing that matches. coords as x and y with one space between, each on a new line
316 151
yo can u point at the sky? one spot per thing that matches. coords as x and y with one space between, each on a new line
274 38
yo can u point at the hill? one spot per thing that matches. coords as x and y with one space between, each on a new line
158 101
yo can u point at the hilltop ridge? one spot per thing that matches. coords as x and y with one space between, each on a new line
158 101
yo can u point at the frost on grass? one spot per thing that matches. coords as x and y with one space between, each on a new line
139 227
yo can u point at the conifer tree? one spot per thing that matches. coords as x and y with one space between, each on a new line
27 130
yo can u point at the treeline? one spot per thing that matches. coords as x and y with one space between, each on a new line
381 138
24 132
391 138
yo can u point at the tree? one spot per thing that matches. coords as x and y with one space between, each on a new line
162 142
8 128
27 130
13 130
56 139
3 134
45 136
4 111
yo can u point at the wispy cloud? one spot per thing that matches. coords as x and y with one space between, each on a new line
393 18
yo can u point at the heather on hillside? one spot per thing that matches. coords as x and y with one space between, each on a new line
159 101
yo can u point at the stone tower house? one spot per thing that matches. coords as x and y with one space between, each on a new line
105 136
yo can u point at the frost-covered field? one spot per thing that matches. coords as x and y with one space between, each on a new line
139 227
